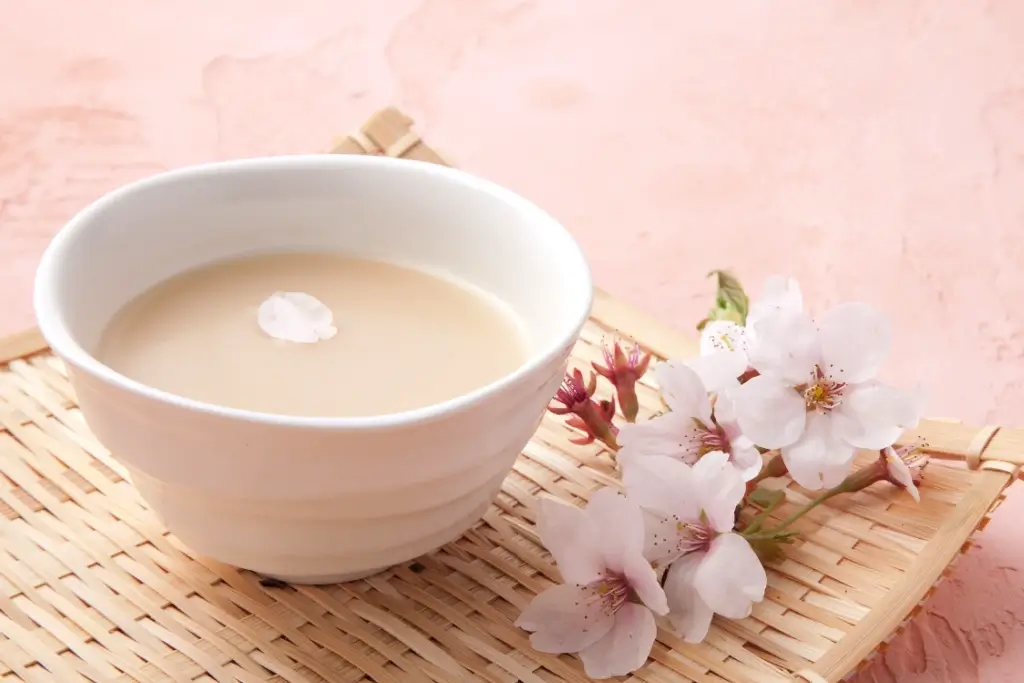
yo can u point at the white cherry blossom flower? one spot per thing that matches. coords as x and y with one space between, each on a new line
816 397
723 337
691 513
694 426
780 295
605 609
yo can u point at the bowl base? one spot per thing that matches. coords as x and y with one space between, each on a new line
320 580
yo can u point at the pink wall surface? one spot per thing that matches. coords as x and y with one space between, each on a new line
873 149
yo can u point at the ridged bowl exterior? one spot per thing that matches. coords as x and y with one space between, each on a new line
316 505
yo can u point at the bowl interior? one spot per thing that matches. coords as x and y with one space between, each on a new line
401 211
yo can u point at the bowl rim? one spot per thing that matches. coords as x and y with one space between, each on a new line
52 325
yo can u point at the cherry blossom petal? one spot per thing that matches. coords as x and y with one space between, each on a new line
662 484
770 412
683 391
644 581
663 542
746 458
786 346
819 459
572 539
673 435
689 614
855 341
565 618
720 371
719 488
722 335
725 407
873 415
296 317
620 528
779 295
625 648
731 577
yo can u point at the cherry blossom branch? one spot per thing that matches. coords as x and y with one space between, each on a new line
775 531
776 499
696 509
899 466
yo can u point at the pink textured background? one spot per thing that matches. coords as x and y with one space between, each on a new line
873 149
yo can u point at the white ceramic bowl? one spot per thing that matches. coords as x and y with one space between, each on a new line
303 499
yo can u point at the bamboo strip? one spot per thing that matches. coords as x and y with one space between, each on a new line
912 590
22 344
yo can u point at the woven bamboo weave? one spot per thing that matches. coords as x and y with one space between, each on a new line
93 588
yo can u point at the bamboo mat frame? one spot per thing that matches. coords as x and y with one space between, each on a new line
92 587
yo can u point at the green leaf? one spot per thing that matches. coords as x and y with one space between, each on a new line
770 549
766 498
729 314
731 302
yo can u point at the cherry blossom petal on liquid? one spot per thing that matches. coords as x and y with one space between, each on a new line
730 578
718 488
673 435
572 539
770 412
625 647
873 415
855 341
818 459
565 618
787 347
683 391
296 317
689 614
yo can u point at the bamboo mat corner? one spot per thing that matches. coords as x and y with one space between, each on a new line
93 588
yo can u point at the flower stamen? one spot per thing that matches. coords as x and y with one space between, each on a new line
607 594
674 537
693 537
710 438
822 394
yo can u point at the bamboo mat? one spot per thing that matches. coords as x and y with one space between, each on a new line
93 588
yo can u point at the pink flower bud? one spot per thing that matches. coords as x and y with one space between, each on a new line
899 466
593 418
573 393
904 466
624 371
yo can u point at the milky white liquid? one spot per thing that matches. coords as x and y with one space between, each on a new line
406 339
